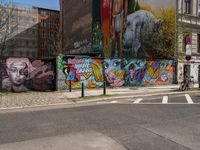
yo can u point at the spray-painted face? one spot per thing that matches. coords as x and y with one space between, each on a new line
18 72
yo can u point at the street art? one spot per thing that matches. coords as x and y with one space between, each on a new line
122 72
114 71
134 28
159 72
195 71
81 47
180 72
23 74
82 70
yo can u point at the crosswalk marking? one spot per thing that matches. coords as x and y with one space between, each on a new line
189 99
137 101
113 102
165 100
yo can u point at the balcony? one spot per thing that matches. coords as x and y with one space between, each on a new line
189 20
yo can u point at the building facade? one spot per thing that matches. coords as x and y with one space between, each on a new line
35 33
76 26
23 40
48 37
189 38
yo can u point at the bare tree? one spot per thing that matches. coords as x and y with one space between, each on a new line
8 25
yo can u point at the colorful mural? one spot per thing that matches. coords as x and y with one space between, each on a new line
134 29
122 72
82 70
117 72
159 72
23 74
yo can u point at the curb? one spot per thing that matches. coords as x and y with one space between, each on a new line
100 98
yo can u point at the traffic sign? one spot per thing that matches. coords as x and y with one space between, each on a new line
188 57
188 52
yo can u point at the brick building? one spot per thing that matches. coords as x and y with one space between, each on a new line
76 26
48 32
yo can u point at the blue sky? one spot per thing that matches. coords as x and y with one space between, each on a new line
50 4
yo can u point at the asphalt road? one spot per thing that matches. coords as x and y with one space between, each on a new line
146 123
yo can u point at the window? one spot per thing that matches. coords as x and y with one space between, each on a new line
27 54
187 6
187 40
42 45
43 13
21 53
43 23
43 34
27 43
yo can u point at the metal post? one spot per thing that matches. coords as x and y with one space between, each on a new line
70 86
104 79
199 76
82 90
104 88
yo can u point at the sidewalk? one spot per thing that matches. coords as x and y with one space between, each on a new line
34 99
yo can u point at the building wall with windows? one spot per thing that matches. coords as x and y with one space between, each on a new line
23 41
48 32
36 33
189 34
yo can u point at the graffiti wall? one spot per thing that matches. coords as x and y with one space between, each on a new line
134 29
180 72
122 72
159 72
117 72
23 74
195 71
79 70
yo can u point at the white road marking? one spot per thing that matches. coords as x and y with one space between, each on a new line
165 100
189 99
113 102
137 101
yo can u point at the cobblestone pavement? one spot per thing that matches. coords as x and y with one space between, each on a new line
30 99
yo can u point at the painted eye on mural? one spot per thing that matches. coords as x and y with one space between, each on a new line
13 70
24 72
